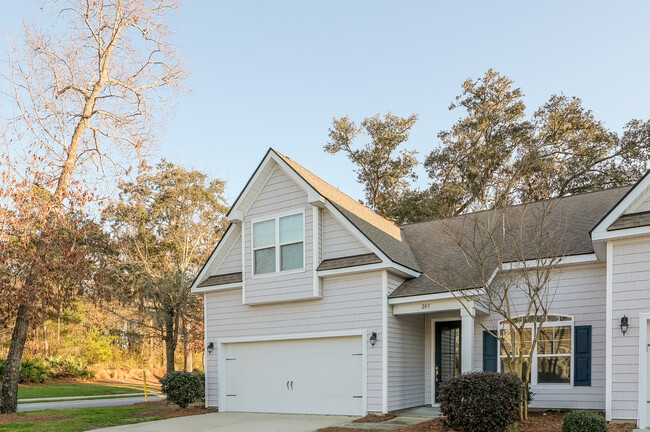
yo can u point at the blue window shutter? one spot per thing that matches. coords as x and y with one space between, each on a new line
582 356
490 352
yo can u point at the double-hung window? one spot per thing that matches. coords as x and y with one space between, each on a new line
552 358
278 244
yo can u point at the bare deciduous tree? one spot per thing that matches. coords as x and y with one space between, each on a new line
87 95
506 262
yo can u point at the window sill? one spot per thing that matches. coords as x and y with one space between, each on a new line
286 272
549 385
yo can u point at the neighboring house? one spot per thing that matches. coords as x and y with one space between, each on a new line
315 304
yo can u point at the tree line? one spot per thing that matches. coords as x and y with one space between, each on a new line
494 155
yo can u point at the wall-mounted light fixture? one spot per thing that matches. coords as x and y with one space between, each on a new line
624 324
210 347
373 338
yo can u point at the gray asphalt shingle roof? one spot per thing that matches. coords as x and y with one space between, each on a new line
384 234
221 280
632 220
350 261
434 243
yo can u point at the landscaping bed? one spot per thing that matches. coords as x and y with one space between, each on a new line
537 422
375 418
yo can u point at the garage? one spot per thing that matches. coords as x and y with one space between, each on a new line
299 376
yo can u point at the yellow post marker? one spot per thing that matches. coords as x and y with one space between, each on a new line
144 377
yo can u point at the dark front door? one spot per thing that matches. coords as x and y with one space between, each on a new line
447 352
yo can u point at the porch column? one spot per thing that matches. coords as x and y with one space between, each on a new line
467 340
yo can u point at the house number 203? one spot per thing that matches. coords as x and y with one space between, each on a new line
425 306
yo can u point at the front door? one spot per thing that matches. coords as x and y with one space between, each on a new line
447 363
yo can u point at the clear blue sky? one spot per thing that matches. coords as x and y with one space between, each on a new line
275 73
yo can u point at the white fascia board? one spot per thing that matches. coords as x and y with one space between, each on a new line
620 234
444 305
564 261
435 297
600 232
220 246
216 288
390 266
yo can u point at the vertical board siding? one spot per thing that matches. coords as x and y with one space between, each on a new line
630 297
580 293
405 357
338 241
279 195
350 302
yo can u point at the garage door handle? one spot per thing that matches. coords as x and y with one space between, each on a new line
291 385
287 385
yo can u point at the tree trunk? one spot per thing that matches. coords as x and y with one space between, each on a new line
9 386
46 345
187 354
189 367
58 329
170 343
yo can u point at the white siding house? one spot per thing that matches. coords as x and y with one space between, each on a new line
315 304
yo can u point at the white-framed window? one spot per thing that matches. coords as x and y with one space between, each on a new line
552 361
278 244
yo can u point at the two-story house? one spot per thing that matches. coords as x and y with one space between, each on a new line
315 304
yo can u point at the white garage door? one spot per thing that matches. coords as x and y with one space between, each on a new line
302 376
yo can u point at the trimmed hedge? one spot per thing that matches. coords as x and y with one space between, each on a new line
183 388
584 421
480 401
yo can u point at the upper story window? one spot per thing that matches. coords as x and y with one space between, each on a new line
552 358
278 244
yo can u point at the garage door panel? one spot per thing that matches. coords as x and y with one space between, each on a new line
312 376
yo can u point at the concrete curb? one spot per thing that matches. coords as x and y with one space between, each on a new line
70 398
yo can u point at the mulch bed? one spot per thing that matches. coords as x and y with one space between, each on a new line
167 410
375 418
537 422
11 418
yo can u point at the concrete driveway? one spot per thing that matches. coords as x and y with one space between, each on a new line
236 422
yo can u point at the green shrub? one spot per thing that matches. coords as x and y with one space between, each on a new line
183 388
480 401
3 364
70 367
35 370
584 421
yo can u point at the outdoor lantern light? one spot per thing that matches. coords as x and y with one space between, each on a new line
210 347
624 324
373 338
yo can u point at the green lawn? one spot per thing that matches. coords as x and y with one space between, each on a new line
80 389
75 420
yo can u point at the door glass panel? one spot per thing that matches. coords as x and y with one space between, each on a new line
450 353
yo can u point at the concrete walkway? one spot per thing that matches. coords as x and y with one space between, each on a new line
404 418
92 403
236 422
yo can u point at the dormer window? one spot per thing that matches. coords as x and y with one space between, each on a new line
278 244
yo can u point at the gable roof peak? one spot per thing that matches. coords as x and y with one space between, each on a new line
338 197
